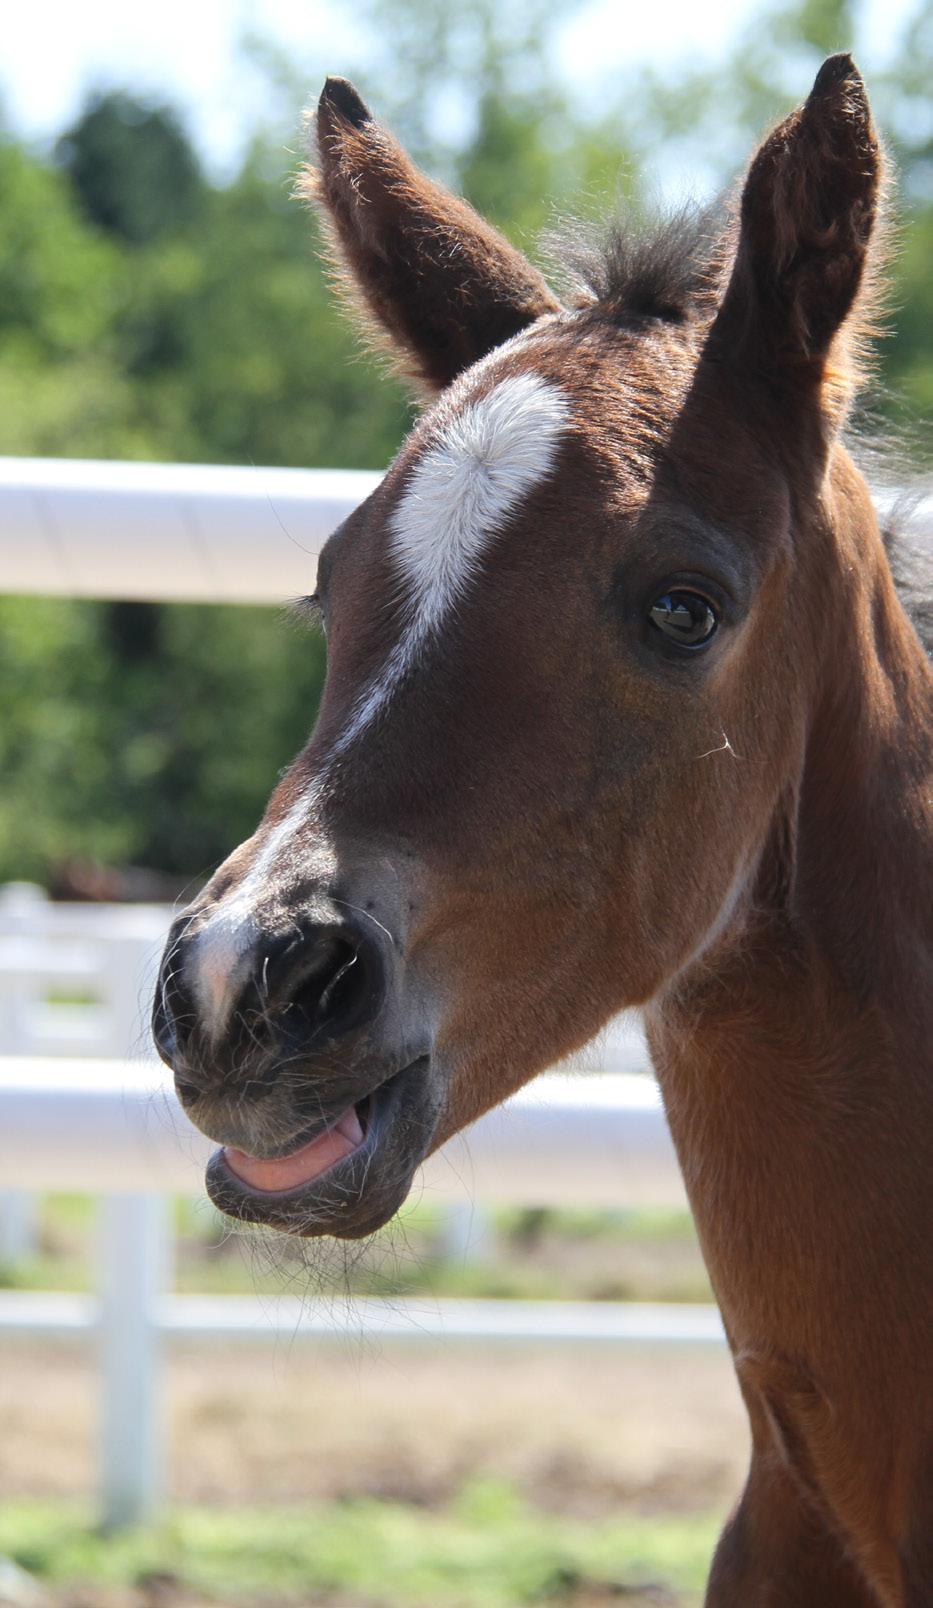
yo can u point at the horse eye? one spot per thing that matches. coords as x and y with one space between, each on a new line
685 618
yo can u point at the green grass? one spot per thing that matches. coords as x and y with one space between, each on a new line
486 1550
659 1224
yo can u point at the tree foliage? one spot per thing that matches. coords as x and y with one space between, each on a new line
131 168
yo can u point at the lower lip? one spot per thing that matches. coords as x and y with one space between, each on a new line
305 1165
350 1196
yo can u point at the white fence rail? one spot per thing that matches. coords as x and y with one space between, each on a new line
173 532
111 1127
168 532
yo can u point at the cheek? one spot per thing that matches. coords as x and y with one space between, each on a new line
560 893
520 980
547 927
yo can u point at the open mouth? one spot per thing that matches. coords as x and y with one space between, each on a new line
309 1161
347 1180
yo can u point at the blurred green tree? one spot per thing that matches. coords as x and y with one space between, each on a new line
132 168
161 759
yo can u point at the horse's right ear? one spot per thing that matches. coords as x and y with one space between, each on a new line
444 286
802 272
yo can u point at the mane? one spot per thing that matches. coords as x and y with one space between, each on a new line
888 459
670 267
674 266
910 556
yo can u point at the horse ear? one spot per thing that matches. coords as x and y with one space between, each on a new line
444 286
803 263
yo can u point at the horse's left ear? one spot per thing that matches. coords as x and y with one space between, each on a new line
802 263
444 286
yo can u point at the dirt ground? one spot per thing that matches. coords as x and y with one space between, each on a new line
582 1431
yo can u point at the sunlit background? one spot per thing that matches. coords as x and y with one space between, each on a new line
161 299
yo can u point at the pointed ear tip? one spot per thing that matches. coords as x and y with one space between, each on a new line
835 71
339 95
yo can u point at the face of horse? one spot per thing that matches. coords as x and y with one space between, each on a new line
567 683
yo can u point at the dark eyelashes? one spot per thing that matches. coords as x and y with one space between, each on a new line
307 610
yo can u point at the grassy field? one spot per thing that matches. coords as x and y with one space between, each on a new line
486 1550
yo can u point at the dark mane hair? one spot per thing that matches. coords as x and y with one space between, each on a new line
910 555
669 267
888 458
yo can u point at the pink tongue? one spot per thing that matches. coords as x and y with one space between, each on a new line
307 1163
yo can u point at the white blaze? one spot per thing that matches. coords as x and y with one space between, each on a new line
481 461
222 950
486 458
482 458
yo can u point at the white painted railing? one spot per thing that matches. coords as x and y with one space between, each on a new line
111 1127
168 532
197 532
114 1129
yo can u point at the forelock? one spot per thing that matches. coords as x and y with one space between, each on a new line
670 268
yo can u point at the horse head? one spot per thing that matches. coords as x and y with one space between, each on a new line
574 637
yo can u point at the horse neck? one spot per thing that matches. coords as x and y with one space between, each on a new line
856 893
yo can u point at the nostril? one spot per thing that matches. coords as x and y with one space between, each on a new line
330 989
174 1014
175 1006
324 982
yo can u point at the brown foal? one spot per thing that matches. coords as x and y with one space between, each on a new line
622 709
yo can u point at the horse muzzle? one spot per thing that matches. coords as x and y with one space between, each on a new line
286 1050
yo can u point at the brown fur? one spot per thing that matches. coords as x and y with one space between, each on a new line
558 818
805 281
392 229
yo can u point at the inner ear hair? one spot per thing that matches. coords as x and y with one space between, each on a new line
803 296
437 283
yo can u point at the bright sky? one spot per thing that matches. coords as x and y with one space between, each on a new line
187 50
